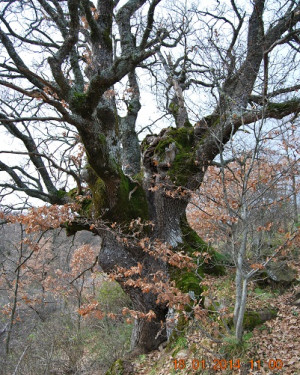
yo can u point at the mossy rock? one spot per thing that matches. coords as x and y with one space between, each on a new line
253 319
281 272
116 368
186 281
121 367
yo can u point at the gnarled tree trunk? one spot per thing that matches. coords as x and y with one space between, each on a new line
166 214
94 47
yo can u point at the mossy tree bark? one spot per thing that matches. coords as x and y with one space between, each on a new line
96 48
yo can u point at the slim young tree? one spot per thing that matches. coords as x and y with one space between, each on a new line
61 62
247 207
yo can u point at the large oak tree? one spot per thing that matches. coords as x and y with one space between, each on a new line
60 67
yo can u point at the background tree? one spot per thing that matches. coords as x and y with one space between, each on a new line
52 294
243 213
289 145
60 66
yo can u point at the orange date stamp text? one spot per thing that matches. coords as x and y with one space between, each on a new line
223 364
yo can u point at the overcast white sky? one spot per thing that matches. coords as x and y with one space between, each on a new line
149 111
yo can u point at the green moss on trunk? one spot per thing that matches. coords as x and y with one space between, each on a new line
61 194
189 280
193 243
131 201
98 189
183 138
284 106
183 166
80 105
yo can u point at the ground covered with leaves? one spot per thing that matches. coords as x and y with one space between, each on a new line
207 346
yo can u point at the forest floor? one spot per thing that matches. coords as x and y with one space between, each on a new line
206 347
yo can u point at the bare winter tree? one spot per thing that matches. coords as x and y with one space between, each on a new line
61 62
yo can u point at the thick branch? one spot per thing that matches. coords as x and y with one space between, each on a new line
56 61
24 119
285 90
177 106
95 30
218 135
130 141
107 78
